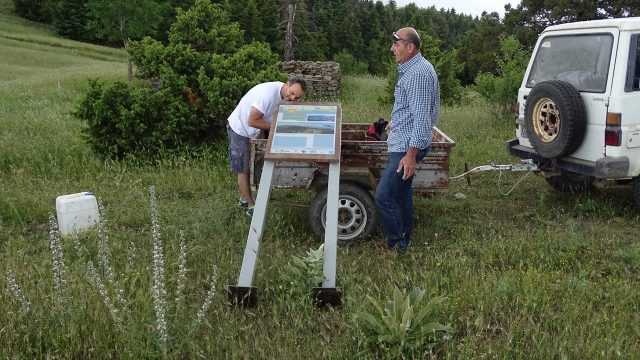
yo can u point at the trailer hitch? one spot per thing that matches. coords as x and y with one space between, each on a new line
525 165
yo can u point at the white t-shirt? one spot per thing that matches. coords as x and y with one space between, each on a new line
264 97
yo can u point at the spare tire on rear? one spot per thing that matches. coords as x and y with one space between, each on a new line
555 118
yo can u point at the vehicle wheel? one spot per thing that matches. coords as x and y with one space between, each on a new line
636 191
571 182
357 217
555 118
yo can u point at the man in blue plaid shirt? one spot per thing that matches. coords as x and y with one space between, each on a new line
415 112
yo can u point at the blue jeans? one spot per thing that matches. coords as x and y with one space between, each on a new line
394 200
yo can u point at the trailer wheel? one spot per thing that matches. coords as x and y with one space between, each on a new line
555 118
357 217
636 191
570 182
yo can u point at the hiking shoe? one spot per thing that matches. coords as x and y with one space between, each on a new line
243 203
249 212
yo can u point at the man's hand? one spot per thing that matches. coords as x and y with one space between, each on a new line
408 164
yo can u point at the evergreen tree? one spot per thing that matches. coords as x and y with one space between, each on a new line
70 18
35 10
271 26
479 47
536 15
246 14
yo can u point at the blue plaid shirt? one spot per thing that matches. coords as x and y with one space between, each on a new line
417 106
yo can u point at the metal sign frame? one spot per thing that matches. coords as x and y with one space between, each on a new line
244 293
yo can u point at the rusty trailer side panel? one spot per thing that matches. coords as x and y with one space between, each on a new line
361 162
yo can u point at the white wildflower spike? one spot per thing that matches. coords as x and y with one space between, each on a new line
16 291
78 246
104 254
207 301
97 282
133 254
182 271
159 293
57 260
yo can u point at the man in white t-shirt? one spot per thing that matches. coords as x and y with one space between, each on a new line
254 113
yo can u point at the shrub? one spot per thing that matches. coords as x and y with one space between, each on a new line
130 118
349 64
206 28
226 78
501 91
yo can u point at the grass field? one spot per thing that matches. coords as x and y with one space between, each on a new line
534 274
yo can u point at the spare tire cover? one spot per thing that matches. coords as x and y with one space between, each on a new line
555 118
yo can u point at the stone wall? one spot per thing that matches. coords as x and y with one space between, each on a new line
323 77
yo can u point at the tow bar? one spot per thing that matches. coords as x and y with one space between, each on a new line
525 165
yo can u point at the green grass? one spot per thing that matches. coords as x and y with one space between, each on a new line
535 274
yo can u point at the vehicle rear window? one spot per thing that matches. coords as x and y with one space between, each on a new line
582 60
633 66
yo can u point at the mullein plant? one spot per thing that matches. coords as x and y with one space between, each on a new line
104 256
403 326
303 273
208 299
57 261
96 281
182 272
14 288
159 292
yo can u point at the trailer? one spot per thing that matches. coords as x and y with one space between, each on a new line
361 164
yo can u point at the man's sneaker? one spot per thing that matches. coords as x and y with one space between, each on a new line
243 203
249 212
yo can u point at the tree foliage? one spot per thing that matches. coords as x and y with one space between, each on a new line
501 90
70 18
479 46
119 20
36 10
530 17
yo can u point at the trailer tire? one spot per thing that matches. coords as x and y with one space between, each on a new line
569 182
357 217
555 118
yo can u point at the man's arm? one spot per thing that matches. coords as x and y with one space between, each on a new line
256 120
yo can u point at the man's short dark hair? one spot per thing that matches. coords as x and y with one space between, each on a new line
297 79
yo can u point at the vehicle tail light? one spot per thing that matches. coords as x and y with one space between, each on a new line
613 130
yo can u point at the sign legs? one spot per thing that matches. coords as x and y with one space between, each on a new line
244 293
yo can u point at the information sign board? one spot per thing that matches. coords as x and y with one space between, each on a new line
305 131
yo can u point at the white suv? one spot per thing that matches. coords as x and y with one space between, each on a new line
579 105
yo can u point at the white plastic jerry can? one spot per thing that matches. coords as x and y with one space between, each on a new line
76 212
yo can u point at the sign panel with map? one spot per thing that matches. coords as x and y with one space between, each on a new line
305 131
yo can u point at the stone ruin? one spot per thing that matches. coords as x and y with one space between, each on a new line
323 77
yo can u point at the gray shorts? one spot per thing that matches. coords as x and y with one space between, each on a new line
239 152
